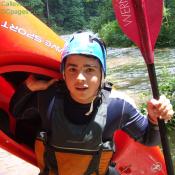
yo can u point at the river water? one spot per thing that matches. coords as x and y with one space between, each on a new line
127 70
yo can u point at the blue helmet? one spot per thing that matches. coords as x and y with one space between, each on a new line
85 44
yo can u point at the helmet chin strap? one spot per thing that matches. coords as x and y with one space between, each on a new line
102 80
91 107
92 102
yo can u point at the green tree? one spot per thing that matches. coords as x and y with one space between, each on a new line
98 15
90 9
104 15
113 36
66 16
74 17
34 6
56 15
167 34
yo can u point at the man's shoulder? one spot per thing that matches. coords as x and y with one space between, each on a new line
121 96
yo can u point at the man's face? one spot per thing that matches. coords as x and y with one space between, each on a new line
82 77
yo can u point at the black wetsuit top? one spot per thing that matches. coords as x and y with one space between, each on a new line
121 114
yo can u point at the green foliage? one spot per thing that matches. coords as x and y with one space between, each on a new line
66 16
34 6
97 15
95 24
74 19
167 34
113 36
104 15
166 87
90 9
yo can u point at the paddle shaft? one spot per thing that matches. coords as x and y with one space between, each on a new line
162 127
148 54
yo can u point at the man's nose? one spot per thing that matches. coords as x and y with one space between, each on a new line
81 76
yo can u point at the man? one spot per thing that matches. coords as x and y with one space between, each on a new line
81 113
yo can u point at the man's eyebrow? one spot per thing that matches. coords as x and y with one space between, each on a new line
90 65
85 65
70 64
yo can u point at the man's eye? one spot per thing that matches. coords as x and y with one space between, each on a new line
72 69
90 70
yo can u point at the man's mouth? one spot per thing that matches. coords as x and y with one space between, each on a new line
81 88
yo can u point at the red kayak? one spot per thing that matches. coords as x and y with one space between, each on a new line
29 46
